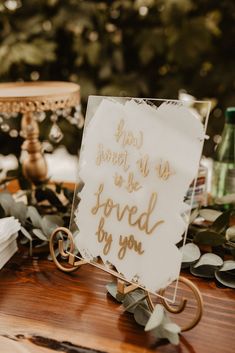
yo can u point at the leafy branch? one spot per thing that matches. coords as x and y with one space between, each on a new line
216 235
156 322
48 208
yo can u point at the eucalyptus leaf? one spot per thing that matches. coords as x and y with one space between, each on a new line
132 300
232 252
120 297
26 233
191 253
205 271
209 214
173 338
2 212
209 237
50 223
206 266
34 216
230 234
209 259
193 215
156 318
112 289
142 314
226 274
172 327
157 322
6 201
192 231
57 252
167 330
19 211
222 222
41 245
24 241
228 266
39 234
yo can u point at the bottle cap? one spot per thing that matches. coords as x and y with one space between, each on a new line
230 115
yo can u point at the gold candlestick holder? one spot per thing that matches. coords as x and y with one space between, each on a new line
28 98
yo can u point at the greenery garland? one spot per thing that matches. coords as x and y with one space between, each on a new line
209 251
210 246
40 209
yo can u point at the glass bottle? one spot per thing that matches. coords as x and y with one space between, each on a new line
223 178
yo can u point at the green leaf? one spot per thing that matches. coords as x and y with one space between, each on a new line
19 211
34 216
2 212
173 338
232 252
172 327
50 223
142 314
209 259
209 214
230 234
205 271
226 274
228 266
193 230
156 318
193 215
221 223
191 253
112 289
167 330
206 266
56 253
209 237
6 201
39 234
26 233
120 297
133 299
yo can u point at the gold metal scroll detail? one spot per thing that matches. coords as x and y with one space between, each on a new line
65 255
182 305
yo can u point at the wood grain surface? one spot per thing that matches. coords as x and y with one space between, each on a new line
45 310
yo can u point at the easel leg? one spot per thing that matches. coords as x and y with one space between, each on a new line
182 306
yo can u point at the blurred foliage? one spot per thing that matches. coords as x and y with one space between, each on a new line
148 48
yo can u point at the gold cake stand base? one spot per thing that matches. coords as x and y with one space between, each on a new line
27 98
124 287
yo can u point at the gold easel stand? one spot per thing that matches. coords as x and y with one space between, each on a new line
27 98
122 286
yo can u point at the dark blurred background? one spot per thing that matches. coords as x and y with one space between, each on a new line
142 48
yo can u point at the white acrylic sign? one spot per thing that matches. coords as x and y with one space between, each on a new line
136 164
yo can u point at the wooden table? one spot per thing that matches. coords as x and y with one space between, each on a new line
45 310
